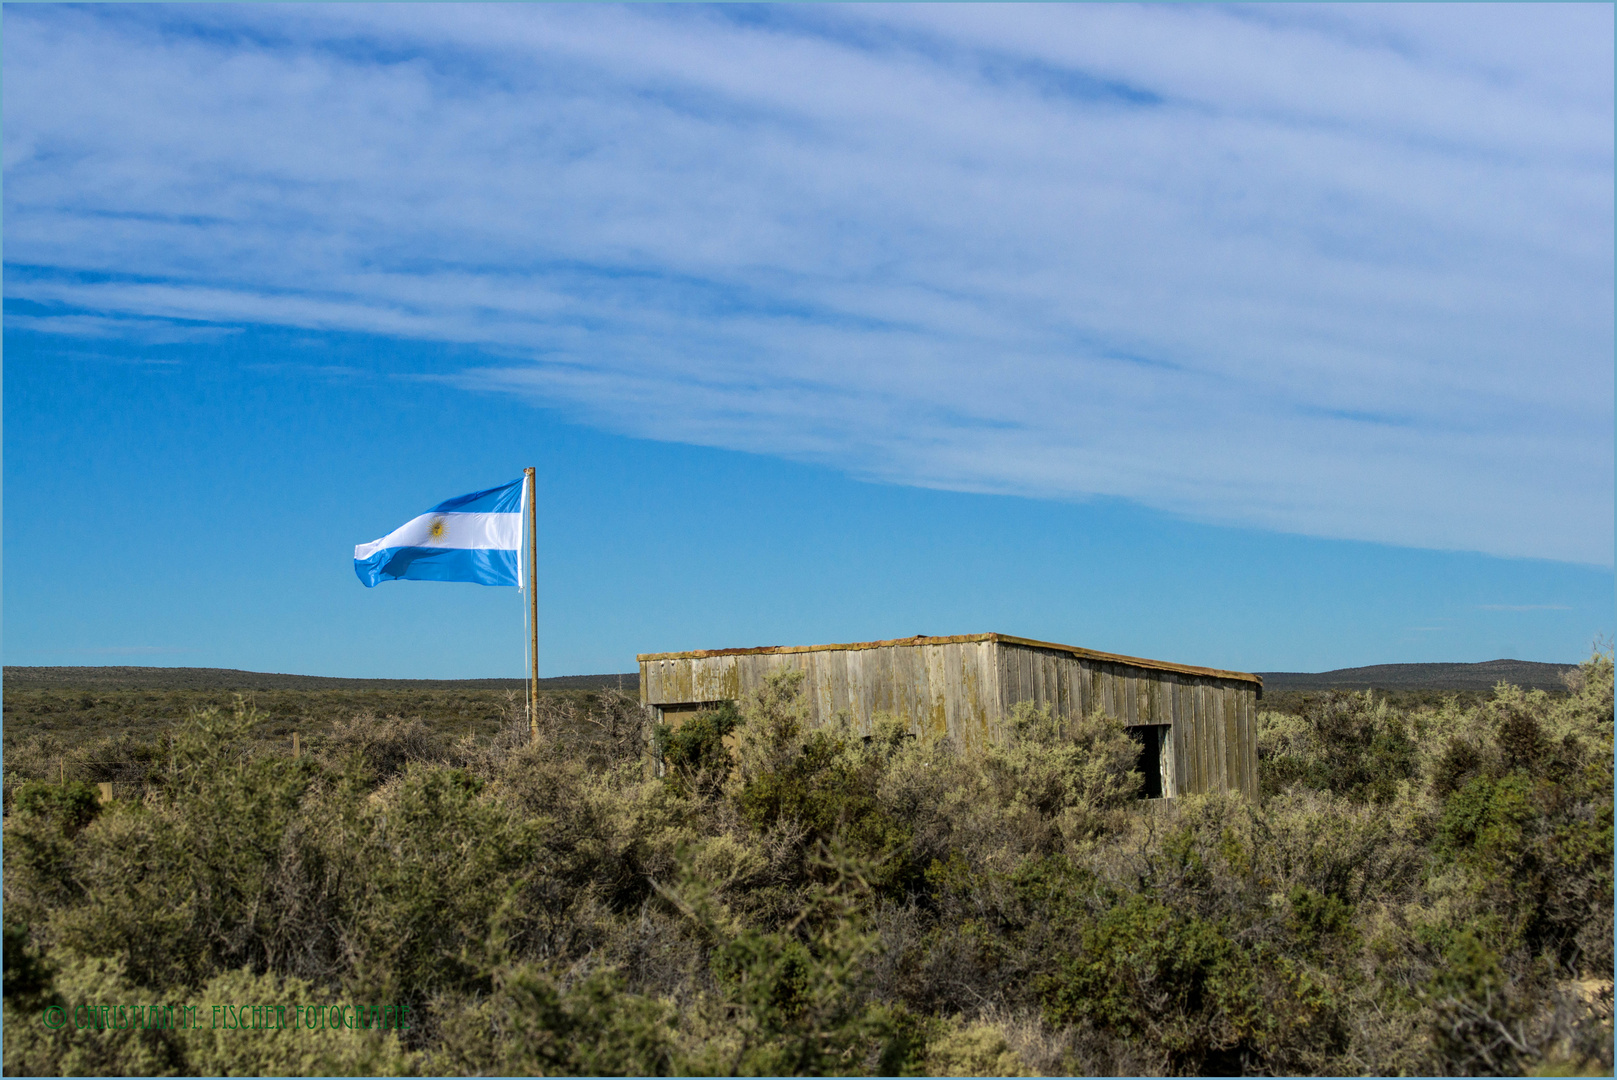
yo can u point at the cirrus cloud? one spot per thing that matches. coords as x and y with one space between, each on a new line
1341 271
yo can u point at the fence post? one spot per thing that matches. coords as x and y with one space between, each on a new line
297 751
106 791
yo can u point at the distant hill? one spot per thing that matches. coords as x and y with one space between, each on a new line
1527 674
1475 677
183 678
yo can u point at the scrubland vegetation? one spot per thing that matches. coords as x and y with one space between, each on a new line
87 724
1423 890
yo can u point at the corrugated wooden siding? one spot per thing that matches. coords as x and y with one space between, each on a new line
1212 743
967 687
947 688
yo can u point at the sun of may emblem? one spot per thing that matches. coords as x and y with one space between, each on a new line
438 529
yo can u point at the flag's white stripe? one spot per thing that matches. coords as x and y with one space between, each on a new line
458 531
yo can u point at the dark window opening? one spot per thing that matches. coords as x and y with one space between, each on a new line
1150 739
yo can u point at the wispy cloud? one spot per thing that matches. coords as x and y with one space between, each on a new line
1344 271
149 331
112 650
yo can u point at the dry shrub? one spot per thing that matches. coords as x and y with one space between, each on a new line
769 741
33 1050
382 746
1043 1050
31 757
846 901
973 1049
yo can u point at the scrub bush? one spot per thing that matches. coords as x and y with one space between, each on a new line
1348 743
695 754
1416 890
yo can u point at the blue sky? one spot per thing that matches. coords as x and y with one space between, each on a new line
1275 338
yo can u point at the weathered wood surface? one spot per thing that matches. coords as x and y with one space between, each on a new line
967 687
944 689
1211 744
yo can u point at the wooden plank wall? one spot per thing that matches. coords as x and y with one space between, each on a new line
1213 739
945 688
968 689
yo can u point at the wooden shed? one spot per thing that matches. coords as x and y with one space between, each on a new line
1196 726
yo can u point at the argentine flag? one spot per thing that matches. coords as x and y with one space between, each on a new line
476 537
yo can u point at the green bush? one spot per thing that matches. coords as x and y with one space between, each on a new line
65 808
1416 890
695 753
31 1049
528 1026
1349 743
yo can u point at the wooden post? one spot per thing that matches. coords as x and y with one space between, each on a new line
62 778
531 475
297 751
106 792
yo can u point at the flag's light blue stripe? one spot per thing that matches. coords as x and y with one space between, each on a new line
483 566
505 499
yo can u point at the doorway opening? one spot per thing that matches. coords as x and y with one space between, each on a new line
1152 739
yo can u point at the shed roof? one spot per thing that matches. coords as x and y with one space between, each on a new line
922 639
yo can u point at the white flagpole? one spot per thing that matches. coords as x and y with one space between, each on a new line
530 475
522 592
